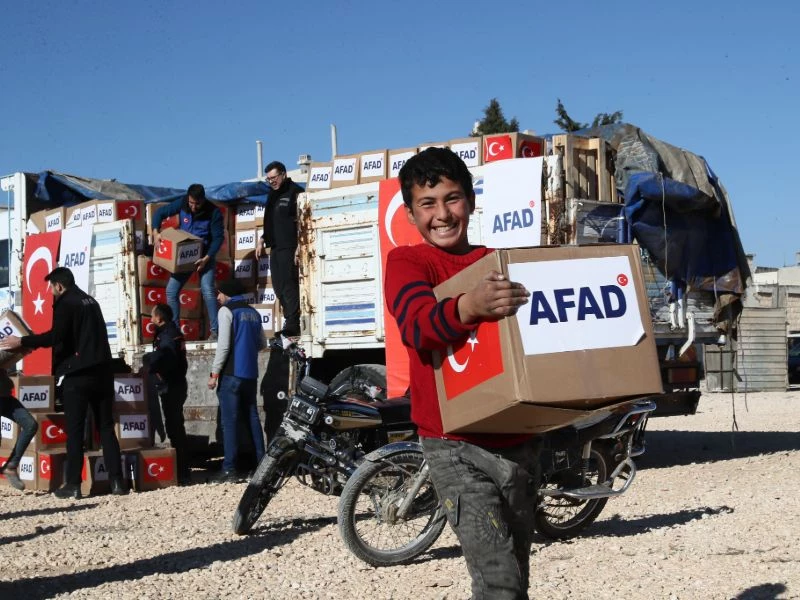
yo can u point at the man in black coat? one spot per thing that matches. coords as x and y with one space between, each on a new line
167 366
82 365
280 236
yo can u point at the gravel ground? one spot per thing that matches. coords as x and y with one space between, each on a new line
711 515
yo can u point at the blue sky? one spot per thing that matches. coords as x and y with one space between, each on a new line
168 93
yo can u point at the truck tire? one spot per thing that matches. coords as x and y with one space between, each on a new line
367 382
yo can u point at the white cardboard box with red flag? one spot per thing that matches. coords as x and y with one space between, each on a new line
177 251
584 341
12 324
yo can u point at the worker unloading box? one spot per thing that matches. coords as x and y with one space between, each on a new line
584 340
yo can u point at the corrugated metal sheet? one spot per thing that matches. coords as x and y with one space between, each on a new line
761 350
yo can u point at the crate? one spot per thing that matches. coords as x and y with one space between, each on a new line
588 167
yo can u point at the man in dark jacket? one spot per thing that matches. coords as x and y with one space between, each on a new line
280 236
167 366
234 373
201 218
82 365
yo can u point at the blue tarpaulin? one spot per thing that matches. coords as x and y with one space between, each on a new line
59 189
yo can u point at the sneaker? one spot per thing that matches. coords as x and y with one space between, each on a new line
226 477
67 491
12 476
212 337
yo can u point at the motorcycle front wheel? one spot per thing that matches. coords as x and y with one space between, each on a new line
269 477
562 518
368 521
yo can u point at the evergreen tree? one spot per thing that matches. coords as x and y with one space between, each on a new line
568 124
493 121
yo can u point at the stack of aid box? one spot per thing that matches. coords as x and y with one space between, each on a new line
254 273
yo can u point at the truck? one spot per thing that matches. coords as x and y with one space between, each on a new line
673 201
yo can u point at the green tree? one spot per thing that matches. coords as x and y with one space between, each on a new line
494 121
568 124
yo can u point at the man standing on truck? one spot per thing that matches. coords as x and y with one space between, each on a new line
234 373
486 482
82 365
280 236
166 367
201 218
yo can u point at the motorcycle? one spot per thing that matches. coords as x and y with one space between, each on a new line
389 513
324 435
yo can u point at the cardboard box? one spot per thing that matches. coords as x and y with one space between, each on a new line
26 469
133 210
178 251
9 432
397 158
139 239
265 294
48 220
583 341
50 469
157 468
52 432
244 269
150 273
12 324
171 222
191 329
223 270
319 176
133 430
84 213
228 211
345 171
268 314
245 242
500 146
150 295
35 392
468 150
264 274
130 393
426 145
372 166
191 303
148 329
248 215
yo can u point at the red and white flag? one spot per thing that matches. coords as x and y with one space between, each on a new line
41 254
473 361
158 468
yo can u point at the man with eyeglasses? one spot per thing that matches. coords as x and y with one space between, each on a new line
280 236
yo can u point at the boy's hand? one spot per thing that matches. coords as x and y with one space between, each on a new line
492 299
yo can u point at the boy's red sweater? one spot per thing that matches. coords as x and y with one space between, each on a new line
426 325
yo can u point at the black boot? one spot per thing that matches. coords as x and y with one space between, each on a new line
119 487
67 491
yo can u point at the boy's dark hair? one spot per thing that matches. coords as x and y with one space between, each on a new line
61 275
275 164
429 166
197 191
164 312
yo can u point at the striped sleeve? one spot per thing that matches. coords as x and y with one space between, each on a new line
424 323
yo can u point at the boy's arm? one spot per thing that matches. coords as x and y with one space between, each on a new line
424 323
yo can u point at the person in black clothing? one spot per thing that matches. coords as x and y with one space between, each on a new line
280 236
167 366
82 365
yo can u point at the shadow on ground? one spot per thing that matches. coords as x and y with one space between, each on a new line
264 538
670 448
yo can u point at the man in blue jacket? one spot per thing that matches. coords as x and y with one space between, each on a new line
201 218
234 373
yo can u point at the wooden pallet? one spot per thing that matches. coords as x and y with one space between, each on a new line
586 168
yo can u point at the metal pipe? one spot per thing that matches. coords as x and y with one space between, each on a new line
260 158
334 148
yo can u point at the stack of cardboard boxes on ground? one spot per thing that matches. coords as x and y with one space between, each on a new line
382 164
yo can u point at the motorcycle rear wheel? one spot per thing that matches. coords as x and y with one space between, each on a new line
562 518
269 477
367 521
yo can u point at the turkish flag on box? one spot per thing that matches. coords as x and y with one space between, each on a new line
150 273
41 254
148 329
52 431
156 469
131 209
190 328
190 302
500 146
150 295
50 466
395 230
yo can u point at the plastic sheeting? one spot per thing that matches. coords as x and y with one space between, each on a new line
60 189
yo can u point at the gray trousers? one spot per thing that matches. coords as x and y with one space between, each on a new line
489 496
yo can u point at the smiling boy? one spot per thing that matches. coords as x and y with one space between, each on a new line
486 482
